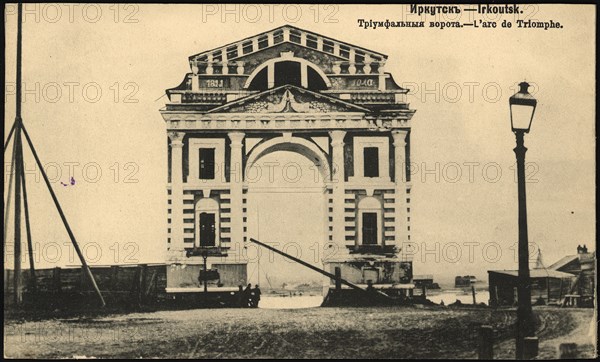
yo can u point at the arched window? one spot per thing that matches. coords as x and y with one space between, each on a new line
284 72
370 221
207 223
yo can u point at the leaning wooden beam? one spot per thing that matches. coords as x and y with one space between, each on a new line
319 270
64 219
28 229
12 130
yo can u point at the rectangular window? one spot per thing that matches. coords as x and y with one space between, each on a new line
311 41
232 52
207 163
247 47
295 36
359 57
371 161
369 228
263 42
278 36
344 51
207 229
327 46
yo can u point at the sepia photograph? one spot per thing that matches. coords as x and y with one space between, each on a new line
307 181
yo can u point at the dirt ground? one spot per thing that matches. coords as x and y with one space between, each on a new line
390 332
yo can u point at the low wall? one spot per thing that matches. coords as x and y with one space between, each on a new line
125 287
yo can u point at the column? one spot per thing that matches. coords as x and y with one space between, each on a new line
286 34
225 69
195 80
270 40
400 223
304 75
177 245
382 75
236 192
209 64
352 60
339 230
271 75
303 38
367 66
240 67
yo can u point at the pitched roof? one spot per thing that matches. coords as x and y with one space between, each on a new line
535 273
563 261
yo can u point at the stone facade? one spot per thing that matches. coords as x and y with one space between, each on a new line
294 90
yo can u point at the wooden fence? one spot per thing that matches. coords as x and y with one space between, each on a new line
123 286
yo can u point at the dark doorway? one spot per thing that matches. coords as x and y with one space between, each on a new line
207 229
369 228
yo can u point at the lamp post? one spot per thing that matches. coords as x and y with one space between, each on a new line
522 108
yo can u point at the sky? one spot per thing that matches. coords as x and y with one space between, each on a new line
95 75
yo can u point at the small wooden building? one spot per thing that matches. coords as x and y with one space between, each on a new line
549 285
583 267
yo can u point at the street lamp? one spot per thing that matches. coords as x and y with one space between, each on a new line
522 107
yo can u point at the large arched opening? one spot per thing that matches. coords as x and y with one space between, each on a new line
287 197
287 70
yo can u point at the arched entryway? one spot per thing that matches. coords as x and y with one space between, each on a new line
287 206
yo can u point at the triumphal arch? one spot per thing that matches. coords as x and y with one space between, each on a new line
294 90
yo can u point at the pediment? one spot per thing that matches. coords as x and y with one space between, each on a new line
288 99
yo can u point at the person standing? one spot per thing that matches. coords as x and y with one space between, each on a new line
248 296
256 296
240 296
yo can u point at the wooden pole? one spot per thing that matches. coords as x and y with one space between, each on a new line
205 276
7 205
28 229
140 287
486 343
531 347
473 292
64 219
18 292
56 276
560 290
338 278
19 63
548 290
18 162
